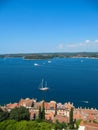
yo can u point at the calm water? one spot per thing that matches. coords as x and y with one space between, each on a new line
72 79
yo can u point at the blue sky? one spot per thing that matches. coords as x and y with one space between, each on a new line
33 26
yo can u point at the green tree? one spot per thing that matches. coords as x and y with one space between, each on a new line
56 110
25 125
63 125
71 118
78 123
3 115
18 114
60 126
41 115
43 111
7 125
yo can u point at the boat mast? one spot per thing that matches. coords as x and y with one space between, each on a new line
45 84
42 82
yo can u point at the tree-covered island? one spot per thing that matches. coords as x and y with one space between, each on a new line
51 55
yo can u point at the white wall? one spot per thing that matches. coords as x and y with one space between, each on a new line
81 128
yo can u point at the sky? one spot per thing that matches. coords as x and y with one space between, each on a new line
40 26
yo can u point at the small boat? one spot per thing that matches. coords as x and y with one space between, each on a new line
35 64
43 87
85 101
49 61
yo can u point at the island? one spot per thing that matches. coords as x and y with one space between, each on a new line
51 55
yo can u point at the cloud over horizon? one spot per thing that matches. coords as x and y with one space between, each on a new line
87 45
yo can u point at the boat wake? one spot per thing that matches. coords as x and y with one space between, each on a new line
85 101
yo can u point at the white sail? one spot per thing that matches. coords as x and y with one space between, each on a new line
43 87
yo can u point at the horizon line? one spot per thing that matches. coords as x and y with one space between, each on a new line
47 52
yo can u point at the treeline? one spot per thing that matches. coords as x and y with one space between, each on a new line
25 125
31 125
17 114
51 55
19 119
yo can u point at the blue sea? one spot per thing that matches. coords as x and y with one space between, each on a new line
72 80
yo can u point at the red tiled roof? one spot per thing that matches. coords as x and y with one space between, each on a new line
26 102
12 105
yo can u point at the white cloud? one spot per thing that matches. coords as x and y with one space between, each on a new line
96 41
61 46
81 44
71 45
87 41
86 46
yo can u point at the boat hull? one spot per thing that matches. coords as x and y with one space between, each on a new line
43 89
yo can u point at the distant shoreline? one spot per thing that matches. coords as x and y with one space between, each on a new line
46 56
53 58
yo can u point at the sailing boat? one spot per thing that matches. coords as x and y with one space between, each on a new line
43 88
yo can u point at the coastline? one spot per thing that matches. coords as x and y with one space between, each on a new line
46 56
67 102
51 58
